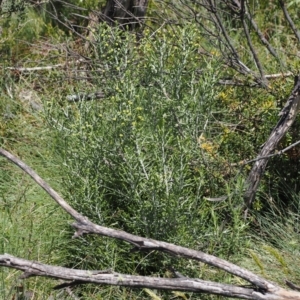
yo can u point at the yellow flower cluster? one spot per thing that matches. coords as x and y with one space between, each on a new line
206 145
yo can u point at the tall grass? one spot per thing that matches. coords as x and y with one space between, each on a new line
31 225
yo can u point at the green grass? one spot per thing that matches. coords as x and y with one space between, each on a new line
274 253
31 224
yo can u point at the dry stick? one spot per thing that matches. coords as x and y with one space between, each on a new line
78 277
24 69
234 62
84 226
278 75
261 36
269 156
31 268
288 115
223 30
86 97
255 84
211 8
257 30
20 69
252 49
289 19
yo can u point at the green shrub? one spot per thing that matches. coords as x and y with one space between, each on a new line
142 159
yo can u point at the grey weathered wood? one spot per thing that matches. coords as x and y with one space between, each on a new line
142 243
195 285
85 97
288 116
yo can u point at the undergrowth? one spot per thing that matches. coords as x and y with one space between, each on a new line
147 158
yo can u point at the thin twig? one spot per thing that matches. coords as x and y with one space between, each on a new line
289 19
86 97
236 82
278 153
257 30
252 49
23 69
35 68
292 285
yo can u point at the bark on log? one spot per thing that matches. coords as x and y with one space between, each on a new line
288 116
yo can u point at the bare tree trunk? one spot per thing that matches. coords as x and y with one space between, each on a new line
129 14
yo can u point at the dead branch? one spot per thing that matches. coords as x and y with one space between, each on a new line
289 19
86 97
60 201
236 82
250 44
77 277
246 162
255 26
288 115
24 69
279 75
20 69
